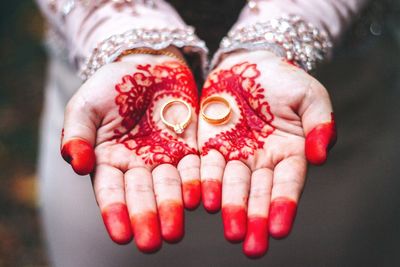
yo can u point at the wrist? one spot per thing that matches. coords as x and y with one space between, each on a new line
242 55
169 52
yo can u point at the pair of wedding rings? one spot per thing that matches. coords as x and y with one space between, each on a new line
180 127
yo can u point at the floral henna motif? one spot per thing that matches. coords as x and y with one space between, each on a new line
137 96
254 124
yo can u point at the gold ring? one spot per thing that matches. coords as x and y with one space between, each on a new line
220 120
179 127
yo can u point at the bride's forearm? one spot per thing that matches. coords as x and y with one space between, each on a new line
332 16
102 30
301 31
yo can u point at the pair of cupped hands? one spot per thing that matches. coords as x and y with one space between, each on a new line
253 167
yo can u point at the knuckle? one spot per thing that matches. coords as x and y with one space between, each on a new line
167 181
235 180
139 188
108 191
138 183
188 168
259 192
212 164
292 183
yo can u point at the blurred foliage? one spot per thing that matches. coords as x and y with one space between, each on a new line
21 92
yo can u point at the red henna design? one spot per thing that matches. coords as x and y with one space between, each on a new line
255 120
319 141
116 220
171 219
234 218
292 62
147 233
256 242
191 191
137 97
211 193
281 217
80 154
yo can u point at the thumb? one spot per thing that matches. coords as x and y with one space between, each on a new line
79 135
318 123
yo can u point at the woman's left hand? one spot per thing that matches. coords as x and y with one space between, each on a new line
255 163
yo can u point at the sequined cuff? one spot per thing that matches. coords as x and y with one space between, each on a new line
288 36
108 50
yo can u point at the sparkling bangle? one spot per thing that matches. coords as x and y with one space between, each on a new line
157 39
288 36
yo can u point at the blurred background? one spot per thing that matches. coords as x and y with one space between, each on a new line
364 81
22 70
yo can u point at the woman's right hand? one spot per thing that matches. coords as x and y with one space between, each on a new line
113 131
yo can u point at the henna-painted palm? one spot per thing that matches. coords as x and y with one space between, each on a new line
138 165
257 161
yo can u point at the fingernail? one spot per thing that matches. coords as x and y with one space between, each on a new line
319 141
171 219
211 194
281 216
147 233
116 220
234 218
191 194
256 242
80 154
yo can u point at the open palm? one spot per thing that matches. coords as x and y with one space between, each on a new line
113 130
255 164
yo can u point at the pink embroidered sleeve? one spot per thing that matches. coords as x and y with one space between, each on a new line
84 24
333 16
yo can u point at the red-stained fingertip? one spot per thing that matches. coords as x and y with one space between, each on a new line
80 154
191 194
116 220
282 212
172 221
211 194
319 141
256 242
147 232
234 218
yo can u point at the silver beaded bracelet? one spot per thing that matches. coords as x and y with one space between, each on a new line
288 36
109 50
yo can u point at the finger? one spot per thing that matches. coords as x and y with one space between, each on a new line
211 170
167 187
79 134
142 209
319 124
189 171
108 183
256 241
235 192
288 183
